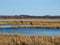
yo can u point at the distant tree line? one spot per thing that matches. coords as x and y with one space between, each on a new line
27 16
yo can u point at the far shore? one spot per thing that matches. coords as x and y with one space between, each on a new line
32 23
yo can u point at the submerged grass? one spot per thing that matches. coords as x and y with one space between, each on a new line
19 39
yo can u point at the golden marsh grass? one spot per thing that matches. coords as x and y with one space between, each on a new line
35 23
19 39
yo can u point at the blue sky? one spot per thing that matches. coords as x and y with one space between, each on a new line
30 7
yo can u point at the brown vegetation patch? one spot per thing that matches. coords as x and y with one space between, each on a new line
19 39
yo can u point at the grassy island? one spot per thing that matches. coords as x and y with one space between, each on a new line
32 23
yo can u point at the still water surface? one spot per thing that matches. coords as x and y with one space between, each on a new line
32 31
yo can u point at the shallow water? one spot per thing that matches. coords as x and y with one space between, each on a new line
9 25
32 31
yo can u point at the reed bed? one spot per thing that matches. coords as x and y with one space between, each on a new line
20 39
34 23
